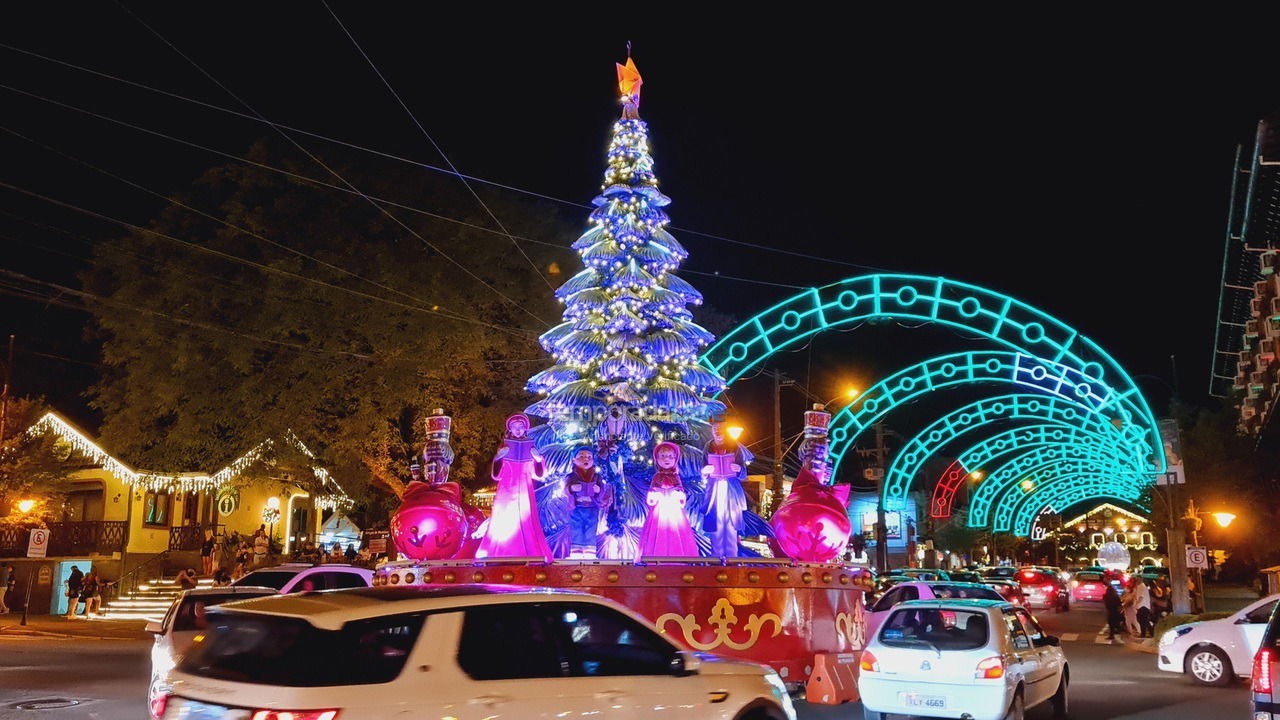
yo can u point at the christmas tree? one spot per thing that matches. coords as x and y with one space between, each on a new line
627 374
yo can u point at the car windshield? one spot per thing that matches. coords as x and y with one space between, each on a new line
291 652
935 629
941 590
267 578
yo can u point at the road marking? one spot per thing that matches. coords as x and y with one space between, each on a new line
1109 683
1102 640
1069 637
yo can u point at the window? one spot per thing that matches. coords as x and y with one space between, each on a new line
190 615
267 578
1262 613
346 580
888 600
155 508
910 593
509 641
1029 625
935 629
604 642
277 650
1016 633
83 506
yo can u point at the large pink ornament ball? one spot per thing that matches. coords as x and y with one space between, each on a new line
812 525
430 524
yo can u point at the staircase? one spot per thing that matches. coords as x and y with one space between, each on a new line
150 600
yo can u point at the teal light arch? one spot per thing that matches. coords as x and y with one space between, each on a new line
1074 490
1040 466
987 366
980 415
984 455
997 317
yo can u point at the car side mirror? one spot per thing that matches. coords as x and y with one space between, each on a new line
1243 620
1050 640
685 663
153 627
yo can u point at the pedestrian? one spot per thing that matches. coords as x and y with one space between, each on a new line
1142 607
89 589
74 581
1130 611
350 555
206 553
6 571
241 564
1115 619
1160 599
335 553
187 579
260 547
221 578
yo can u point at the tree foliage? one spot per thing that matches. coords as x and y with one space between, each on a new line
219 334
35 465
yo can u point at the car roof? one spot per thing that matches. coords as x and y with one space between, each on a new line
331 609
972 603
247 590
948 583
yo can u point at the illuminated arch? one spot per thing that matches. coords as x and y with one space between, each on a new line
988 366
997 317
1063 495
1040 466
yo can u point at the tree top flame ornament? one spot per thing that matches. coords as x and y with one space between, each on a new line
629 82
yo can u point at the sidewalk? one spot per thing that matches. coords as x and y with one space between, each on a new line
59 627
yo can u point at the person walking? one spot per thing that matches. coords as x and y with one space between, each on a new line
1115 618
206 553
74 581
1130 611
1142 607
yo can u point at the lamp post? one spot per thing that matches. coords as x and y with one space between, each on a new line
272 515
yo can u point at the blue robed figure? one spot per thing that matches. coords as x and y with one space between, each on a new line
725 500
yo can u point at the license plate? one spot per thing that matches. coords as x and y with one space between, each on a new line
916 700
185 709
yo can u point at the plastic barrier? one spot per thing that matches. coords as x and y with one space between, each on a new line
834 679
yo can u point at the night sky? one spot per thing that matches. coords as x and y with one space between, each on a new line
1082 166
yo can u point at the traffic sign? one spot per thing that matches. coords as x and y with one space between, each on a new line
1197 557
38 543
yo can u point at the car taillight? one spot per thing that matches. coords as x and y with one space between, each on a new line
1262 681
1029 575
869 662
294 715
991 668
157 705
1047 588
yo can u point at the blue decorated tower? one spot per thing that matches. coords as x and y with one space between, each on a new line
626 373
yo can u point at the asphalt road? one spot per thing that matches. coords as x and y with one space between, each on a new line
108 678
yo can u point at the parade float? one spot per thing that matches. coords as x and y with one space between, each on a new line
621 479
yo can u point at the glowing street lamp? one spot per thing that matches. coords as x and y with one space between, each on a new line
976 476
734 432
1224 518
24 506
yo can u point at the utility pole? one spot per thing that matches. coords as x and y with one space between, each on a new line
4 394
777 432
882 545
1175 541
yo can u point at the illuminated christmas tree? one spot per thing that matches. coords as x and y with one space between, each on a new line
627 374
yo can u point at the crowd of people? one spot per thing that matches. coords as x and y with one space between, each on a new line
1136 611
85 589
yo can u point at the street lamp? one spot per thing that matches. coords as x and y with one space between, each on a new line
734 432
1224 518
24 506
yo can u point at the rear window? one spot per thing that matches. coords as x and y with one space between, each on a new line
1089 577
1000 572
1029 577
291 652
964 591
267 578
190 615
935 629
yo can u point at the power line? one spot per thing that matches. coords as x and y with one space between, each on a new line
436 145
339 188
410 161
328 169
260 266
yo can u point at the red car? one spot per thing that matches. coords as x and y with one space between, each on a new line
1088 585
1010 590
1044 589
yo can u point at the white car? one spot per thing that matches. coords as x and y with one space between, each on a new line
466 652
976 659
1214 652
924 590
183 621
305 577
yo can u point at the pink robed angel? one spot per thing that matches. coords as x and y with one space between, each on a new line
666 530
514 530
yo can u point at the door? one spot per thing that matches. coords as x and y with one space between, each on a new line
301 522
511 663
1042 677
1250 625
622 663
58 604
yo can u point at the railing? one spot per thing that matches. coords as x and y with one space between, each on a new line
190 537
128 582
79 538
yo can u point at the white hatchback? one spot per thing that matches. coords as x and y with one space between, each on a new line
1214 652
464 652
306 577
979 659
